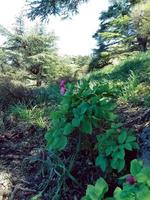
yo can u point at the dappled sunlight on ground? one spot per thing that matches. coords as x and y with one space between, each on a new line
5 184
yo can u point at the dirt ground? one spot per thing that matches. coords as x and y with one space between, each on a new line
19 179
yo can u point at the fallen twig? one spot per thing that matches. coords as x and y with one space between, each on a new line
19 187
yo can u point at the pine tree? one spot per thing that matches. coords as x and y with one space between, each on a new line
33 51
44 8
117 33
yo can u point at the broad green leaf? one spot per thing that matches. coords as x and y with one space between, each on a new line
121 164
144 175
148 183
131 139
143 193
60 143
96 192
84 107
136 167
101 162
48 135
76 122
120 153
118 164
111 116
116 126
101 187
68 129
135 145
117 193
86 126
91 193
128 146
109 150
122 137
76 112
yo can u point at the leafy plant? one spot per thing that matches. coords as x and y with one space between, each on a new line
112 145
130 86
140 188
84 107
135 190
96 192
35 115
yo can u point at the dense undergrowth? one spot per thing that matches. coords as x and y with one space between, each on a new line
131 77
86 141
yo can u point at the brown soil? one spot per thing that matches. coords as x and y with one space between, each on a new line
21 149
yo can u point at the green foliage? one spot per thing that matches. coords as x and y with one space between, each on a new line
141 18
135 191
44 8
140 189
84 107
48 95
130 86
114 35
38 116
124 28
34 51
112 145
96 192
130 78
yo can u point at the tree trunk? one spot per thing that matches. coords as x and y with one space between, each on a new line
142 42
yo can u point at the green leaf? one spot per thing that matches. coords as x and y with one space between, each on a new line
120 153
111 116
128 146
68 129
118 164
48 135
135 145
101 187
136 167
148 183
130 139
122 137
60 142
84 107
143 193
117 193
76 122
91 193
144 175
109 150
86 126
116 126
101 162
36 197
96 192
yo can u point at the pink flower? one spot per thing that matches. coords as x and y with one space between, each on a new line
62 87
62 83
130 180
62 90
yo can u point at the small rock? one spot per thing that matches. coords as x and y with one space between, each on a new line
144 140
5 184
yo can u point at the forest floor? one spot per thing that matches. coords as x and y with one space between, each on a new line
25 166
21 144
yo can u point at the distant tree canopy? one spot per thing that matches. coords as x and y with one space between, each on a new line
44 8
32 50
124 28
